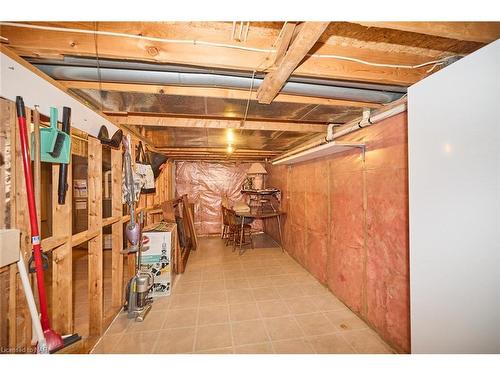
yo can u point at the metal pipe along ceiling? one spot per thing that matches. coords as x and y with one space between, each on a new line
83 73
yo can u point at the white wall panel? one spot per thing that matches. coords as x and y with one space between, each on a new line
16 80
454 192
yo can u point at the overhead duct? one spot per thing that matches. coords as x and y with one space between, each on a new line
146 73
149 66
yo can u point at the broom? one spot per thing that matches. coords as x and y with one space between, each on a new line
54 340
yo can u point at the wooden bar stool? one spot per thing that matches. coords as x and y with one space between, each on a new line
235 229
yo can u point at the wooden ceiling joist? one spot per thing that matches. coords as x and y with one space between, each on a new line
214 149
216 153
45 43
484 32
210 92
301 45
220 158
186 122
220 154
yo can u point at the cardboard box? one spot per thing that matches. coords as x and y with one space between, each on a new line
79 188
158 259
10 240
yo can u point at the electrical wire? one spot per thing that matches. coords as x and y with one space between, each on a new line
279 35
248 101
224 45
353 59
98 67
141 37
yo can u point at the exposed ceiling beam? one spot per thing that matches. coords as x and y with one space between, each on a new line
284 42
301 45
210 92
221 158
214 149
43 43
217 154
484 32
187 122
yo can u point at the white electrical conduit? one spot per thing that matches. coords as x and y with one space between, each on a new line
221 45
350 127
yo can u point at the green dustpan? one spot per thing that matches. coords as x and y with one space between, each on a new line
55 145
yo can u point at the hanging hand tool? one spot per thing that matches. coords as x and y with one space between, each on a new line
62 186
53 339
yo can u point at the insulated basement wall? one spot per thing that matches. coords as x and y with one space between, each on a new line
347 224
206 183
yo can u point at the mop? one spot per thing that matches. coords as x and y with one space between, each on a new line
54 340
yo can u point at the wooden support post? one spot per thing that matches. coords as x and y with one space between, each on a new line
9 126
95 286
12 306
62 259
116 230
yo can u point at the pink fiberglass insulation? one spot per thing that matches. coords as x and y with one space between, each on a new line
347 224
206 183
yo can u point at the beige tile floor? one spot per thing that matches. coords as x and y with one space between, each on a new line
260 302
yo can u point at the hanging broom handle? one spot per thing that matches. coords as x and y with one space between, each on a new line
35 235
62 186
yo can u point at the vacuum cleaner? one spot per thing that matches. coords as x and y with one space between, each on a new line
54 341
137 300
132 230
138 303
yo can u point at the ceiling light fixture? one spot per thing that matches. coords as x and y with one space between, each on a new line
230 136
